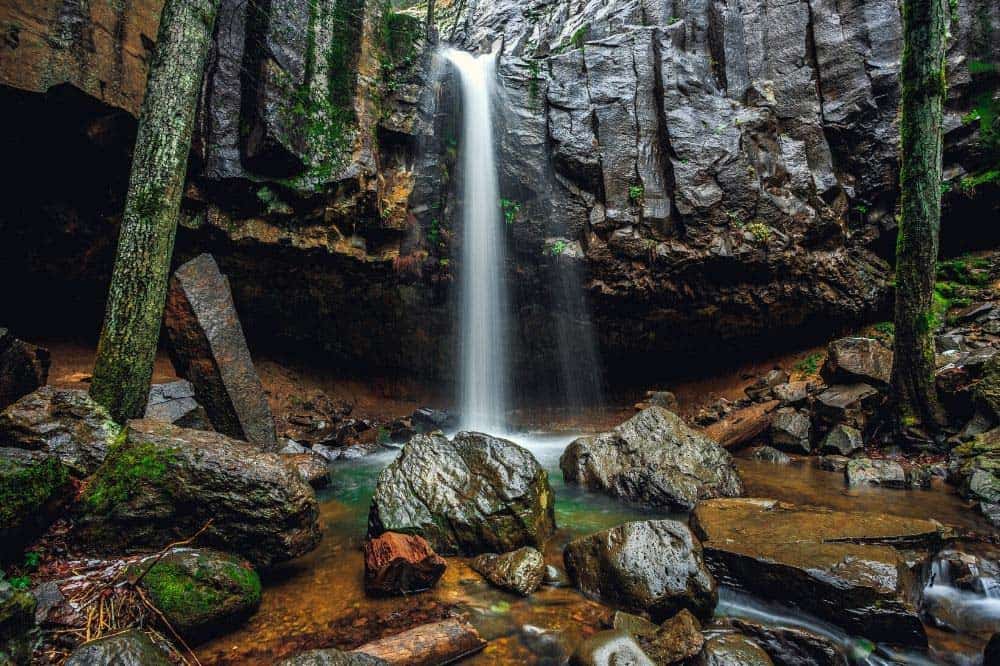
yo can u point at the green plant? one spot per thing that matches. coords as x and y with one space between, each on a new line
510 209
580 36
861 208
558 248
810 364
32 559
885 329
535 70
760 231
636 193
434 232
674 20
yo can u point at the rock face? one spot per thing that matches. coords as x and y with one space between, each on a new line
839 566
401 564
165 483
201 592
23 368
471 494
521 571
174 402
130 648
652 459
65 423
33 487
975 467
653 567
858 360
207 347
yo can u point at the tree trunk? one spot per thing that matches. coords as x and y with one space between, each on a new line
427 645
923 82
131 329
430 20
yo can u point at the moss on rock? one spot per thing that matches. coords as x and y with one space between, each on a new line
32 484
127 467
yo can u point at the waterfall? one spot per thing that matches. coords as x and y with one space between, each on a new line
483 308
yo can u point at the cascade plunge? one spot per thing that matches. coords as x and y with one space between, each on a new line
483 309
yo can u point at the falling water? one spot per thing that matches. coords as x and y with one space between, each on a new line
483 307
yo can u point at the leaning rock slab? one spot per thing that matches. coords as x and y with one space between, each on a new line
837 565
165 483
653 566
471 494
521 571
66 423
174 402
207 348
34 485
129 648
401 564
652 459
24 367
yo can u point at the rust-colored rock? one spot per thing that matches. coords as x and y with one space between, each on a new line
401 564
23 368
208 349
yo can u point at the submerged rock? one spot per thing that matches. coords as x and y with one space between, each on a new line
401 564
332 657
653 566
174 402
610 648
521 571
677 639
875 472
472 494
858 359
842 440
34 485
129 648
652 459
207 348
730 648
66 423
165 483
201 592
24 367
837 565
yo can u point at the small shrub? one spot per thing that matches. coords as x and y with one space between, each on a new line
558 248
810 364
510 209
760 231
636 193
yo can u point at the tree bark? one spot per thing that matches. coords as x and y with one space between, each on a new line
127 347
923 82
430 20
744 425
427 645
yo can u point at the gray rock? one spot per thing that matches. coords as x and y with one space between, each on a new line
653 459
174 402
833 463
610 648
653 567
521 571
790 430
732 649
331 657
313 468
18 634
858 359
24 367
842 440
771 455
975 467
129 648
875 472
791 393
471 494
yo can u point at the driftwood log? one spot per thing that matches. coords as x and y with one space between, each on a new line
428 645
743 425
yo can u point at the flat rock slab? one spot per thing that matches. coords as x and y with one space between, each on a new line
840 566
207 348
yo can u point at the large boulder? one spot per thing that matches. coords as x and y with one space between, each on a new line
18 633
472 494
200 592
174 402
66 423
653 566
401 564
207 348
653 459
24 367
521 571
790 430
33 487
164 483
975 468
129 648
840 566
858 360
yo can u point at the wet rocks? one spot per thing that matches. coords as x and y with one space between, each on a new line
875 472
332 657
842 440
129 648
207 348
521 571
610 647
472 494
677 639
792 646
428 419
770 454
24 367
401 564
849 404
34 485
201 592
790 430
17 625
664 399
652 459
653 566
832 463
975 468
174 402
66 423
858 360
311 466
987 391
165 483
842 567
730 648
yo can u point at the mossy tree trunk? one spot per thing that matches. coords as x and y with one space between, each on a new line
134 308
430 20
923 83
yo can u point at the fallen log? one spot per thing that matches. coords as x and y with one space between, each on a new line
743 425
428 645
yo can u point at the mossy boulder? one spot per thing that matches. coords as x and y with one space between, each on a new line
66 423
975 468
17 625
987 392
201 592
471 494
33 486
129 648
164 483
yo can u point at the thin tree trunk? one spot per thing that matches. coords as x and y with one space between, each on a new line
430 20
923 83
134 309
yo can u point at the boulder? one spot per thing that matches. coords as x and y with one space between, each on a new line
987 391
18 633
833 463
850 404
401 564
521 571
129 648
842 440
793 646
165 483
677 639
653 459
200 592
312 467
174 402
858 360
975 468
732 649
207 348
428 419
790 430
472 494
24 367
840 566
34 485
332 657
66 423
610 648
770 454
875 472
652 566
791 393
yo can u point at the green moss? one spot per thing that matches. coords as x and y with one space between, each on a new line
810 364
579 37
26 488
124 471
178 594
246 581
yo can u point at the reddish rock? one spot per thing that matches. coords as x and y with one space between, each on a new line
208 349
23 368
401 564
